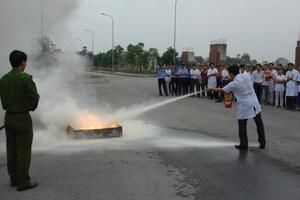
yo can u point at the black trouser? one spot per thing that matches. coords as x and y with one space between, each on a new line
172 87
186 83
180 86
183 86
213 95
19 135
162 83
243 130
195 83
257 89
290 102
175 85
203 88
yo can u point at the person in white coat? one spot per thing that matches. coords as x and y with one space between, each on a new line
247 106
279 81
168 78
212 74
291 87
195 83
298 83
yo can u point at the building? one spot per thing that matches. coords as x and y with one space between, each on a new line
218 52
297 62
188 57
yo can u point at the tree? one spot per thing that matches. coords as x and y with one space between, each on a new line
168 56
199 59
153 58
245 59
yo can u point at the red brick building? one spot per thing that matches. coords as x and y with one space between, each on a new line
297 62
218 53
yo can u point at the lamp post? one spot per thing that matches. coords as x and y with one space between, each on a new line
92 39
113 40
175 28
42 19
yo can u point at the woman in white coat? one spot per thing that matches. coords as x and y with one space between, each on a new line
212 74
291 87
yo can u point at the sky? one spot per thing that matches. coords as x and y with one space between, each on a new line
266 29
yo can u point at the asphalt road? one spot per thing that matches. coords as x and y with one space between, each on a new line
181 151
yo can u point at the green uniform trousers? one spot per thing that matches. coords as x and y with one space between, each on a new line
19 135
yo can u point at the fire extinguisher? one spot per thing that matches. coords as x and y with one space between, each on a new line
228 100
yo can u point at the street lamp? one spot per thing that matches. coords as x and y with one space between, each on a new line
175 28
113 40
81 43
42 19
92 39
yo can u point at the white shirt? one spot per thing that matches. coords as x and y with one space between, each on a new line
291 85
258 77
225 74
195 73
248 105
298 82
280 86
212 81
168 75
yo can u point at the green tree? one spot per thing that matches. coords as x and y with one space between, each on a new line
168 56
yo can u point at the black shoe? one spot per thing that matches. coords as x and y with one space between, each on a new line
218 101
262 146
27 186
239 147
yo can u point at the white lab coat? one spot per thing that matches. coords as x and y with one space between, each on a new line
298 82
291 85
280 86
212 81
168 75
247 102
195 73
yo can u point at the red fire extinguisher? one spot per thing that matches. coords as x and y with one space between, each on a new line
228 100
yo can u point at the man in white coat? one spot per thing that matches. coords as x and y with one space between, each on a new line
247 106
291 87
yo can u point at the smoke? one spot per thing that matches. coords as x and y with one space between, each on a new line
20 23
21 28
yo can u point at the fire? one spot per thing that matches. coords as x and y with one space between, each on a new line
91 121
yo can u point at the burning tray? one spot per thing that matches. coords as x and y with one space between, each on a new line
110 132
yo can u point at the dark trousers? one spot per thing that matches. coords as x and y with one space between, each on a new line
175 86
213 95
298 100
19 135
195 84
243 130
203 88
180 86
258 89
186 83
290 102
162 83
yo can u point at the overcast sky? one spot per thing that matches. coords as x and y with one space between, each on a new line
266 29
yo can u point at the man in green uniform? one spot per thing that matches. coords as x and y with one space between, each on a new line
18 96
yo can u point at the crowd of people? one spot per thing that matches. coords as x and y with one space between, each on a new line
274 85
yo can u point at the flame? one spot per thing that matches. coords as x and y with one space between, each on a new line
91 121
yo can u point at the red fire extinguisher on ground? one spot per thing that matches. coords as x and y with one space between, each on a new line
228 100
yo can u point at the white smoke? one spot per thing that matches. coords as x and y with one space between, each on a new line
20 23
